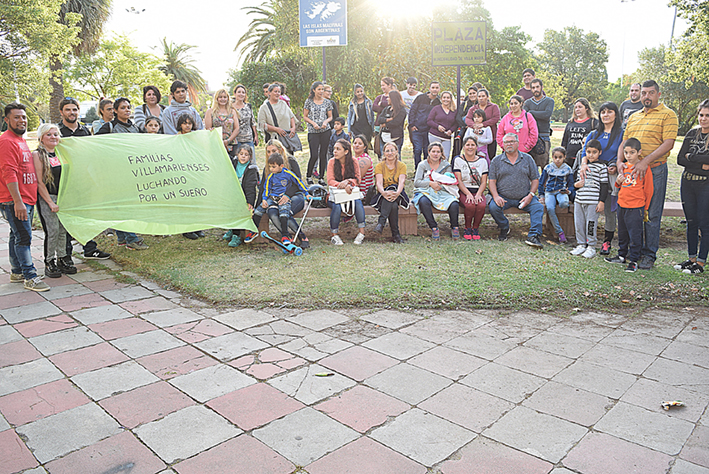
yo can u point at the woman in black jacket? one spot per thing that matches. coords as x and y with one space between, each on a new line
392 120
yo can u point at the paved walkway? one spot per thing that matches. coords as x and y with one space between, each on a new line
98 376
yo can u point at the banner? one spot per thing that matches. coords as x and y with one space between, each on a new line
323 23
458 43
149 184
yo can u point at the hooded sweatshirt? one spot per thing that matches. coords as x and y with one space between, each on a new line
173 112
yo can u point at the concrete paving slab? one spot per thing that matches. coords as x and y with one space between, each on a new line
365 456
408 383
147 343
423 437
687 353
240 455
447 362
45 326
175 362
653 430
66 291
171 317
66 340
57 435
533 361
639 342
283 328
121 328
185 433
604 319
679 374
230 346
442 328
301 348
485 456
596 379
696 450
356 331
569 403
4 425
117 454
40 402
145 404
154 304
10 288
245 318
538 434
129 293
358 363
503 382
108 381
20 299
21 377
616 358
683 467
391 319
318 320
300 437
649 394
211 382
75 303
88 358
481 344
589 331
665 324
560 344
307 387
332 346
399 346
17 352
13 452
100 314
618 457
29 312
9 334
693 334
362 408
90 275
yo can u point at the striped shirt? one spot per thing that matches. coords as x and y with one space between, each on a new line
652 127
596 177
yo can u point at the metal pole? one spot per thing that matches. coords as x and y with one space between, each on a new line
457 94
324 69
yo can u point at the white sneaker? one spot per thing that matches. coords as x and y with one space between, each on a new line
578 250
589 253
359 239
336 240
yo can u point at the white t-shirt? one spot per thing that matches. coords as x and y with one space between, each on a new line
471 171
409 99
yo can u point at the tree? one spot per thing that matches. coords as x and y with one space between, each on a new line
179 65
115 69
578 60
93 15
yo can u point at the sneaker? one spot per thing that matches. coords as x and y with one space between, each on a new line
562 238
468 234
476 234
632 267
304 244
121 243
455 233
97 255
66 268
321 182
684 265
309 181
36 284
616 259
589 253
250 237
200 234
504 234
316 174
605 248
533 241
137 245
51 270
235 241
646 263
228 235
397 239
695 269
379 228
190 235
359 239
578 250
336 240
286 240
17 278
436 234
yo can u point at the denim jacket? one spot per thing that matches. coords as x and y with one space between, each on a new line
351 113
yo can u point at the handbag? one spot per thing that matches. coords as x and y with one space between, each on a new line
540 147
339 196
291 144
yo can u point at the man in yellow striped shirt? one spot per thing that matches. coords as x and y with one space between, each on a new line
656 128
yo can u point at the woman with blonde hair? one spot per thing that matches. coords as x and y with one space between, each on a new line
223 114
48 169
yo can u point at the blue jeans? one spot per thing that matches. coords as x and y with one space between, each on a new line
657 204
534 208
297 203
20 240
551 201
419 138
695 196
630 232
127 237
336 213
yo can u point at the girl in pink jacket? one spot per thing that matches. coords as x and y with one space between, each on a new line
519 122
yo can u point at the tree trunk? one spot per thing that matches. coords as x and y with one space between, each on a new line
57 85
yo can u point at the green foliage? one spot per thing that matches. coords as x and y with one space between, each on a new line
694 11
578 60
91 115
179 65
115 69
32 118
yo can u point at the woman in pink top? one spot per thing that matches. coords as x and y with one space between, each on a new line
520 123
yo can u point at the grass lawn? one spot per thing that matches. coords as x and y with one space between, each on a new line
419 273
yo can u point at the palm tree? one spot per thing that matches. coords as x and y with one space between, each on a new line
260 37
94 14
179 66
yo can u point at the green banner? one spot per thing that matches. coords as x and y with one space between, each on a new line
149 184
458 43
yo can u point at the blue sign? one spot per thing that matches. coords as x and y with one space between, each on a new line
323 23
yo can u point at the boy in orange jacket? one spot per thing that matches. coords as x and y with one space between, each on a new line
633 201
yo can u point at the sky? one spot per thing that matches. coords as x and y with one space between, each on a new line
214 26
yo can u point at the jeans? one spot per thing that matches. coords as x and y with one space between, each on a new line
127 237
427 212
534 208
657 204
20 240
318 144
336 213
420 140
630 232
551 201
297 203
695 197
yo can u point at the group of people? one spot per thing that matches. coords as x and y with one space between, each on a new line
614 164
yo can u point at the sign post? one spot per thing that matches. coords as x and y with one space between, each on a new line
458 43
323 23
